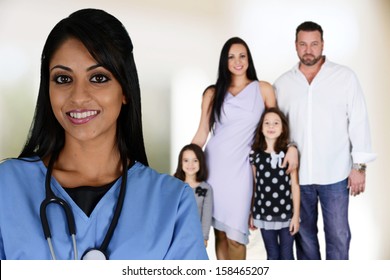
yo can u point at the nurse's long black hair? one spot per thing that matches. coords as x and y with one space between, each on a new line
110 45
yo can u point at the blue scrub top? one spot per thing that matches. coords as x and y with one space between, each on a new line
159 219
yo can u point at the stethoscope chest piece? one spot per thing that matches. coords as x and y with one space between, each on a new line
94 254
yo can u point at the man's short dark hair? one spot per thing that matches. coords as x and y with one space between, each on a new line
309 26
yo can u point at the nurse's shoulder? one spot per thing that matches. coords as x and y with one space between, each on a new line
155 179
25 171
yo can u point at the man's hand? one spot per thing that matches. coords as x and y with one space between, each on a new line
291 159
356 182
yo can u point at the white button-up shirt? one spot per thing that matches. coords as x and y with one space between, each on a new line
328 121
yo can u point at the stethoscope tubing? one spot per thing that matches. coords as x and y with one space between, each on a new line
52 198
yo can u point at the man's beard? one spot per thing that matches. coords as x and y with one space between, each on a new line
309 59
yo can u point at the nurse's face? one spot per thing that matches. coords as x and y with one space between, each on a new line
85 97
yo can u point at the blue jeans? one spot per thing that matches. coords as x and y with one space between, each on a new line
334 200
278 244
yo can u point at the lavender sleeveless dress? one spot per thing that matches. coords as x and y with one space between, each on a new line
227 156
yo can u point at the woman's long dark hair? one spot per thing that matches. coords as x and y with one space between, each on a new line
281 143
110 45
224 78
202 174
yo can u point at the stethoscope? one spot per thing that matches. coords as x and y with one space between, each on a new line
92 253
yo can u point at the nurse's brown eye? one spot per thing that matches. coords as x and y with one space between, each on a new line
62 79
99 78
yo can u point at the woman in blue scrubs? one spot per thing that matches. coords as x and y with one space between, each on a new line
86 149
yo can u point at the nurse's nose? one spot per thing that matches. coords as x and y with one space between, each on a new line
81 92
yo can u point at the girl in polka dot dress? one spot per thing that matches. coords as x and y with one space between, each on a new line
276 194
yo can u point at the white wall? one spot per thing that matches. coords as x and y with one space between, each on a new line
177 46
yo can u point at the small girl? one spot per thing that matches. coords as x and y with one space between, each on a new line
191 168
276 195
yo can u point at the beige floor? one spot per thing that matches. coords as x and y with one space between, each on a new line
255 248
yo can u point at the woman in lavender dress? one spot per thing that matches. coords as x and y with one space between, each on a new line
231 110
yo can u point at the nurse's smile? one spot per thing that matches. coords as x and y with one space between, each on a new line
82 116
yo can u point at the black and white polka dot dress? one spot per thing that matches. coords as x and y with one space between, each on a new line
272 206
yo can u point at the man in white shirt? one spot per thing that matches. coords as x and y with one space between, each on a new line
328 120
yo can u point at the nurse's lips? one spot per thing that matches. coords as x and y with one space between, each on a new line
82 116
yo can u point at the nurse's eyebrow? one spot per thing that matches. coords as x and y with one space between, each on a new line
94 67
61 67
70 70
